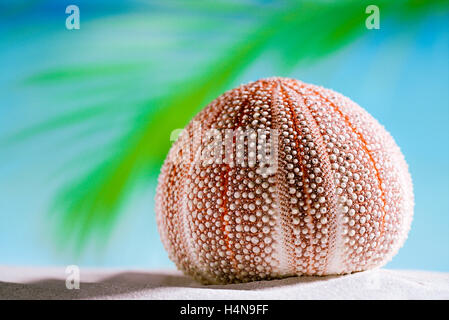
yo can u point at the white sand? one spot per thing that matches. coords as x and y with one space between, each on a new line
49 283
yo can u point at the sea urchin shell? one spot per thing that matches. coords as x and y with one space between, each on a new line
333 195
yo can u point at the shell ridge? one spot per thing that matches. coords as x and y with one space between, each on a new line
334 260
293 116
285 242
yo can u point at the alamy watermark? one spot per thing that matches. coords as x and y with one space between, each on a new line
73 20
373 20
234 147
73 277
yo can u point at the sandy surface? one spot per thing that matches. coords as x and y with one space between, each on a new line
50 283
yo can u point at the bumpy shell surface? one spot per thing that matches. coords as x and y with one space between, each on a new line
339 199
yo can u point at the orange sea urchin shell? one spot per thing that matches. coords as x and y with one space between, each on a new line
337 199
